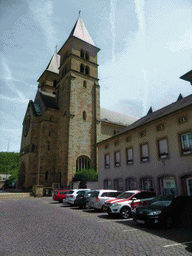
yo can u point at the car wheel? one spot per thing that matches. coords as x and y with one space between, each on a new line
86 205
125 213
168 222
63 200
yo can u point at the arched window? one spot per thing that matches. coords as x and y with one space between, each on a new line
84 115
85 84
46 175
131 183
82 162
82 68
54 83
82 54
87 70
87 56
107 184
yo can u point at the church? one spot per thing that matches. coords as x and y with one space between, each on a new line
64 123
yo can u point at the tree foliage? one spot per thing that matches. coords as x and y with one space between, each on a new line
9 164
86 175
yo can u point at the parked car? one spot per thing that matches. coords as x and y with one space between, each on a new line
127 201
60 195
82 199
99 196
71 196
165 211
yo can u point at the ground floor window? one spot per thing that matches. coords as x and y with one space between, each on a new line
186 184
107 184
147 184
167 185
118 184
130 184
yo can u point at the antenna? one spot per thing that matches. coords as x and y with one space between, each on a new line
79 13
8 145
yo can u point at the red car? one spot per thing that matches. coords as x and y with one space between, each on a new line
60 195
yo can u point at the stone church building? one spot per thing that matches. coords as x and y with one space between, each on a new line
64 122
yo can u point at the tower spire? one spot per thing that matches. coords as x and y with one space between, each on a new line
79 13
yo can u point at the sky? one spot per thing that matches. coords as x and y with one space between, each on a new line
145 47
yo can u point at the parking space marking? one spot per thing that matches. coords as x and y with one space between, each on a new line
176 244
111 220
128 230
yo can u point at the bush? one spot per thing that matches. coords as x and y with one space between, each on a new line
86 175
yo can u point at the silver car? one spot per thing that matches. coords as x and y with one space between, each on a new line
71 196
99 196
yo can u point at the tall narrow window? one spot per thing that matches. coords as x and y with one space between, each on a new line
84 115
144 153
87 70
163 148
117 158
129 155
82 68
85 84
46 175
186 143
107 161
82 54
87 56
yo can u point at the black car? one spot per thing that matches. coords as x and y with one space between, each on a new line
82 198
166 211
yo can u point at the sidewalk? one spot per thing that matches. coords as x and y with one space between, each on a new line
14 195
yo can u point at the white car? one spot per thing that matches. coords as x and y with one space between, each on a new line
71 196
99 196
125 203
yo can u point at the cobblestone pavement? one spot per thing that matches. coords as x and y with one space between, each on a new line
39 226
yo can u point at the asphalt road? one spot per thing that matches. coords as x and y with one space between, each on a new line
39 226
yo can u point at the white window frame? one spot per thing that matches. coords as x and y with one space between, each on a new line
129 155
117 159
107 161
186 149
144 155
163 148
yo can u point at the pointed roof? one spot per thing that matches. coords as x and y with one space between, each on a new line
80 31
54 63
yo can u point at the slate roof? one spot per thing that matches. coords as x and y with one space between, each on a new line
116 118
49 100
80 31
54 63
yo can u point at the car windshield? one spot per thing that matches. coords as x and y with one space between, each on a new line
161 203
95 193
125 195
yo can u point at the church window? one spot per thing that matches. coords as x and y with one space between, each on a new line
54 83
84 115
82 68
85 84
87 70
87 56
82 54
82 162
46 175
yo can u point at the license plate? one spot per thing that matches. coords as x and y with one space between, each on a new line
141 221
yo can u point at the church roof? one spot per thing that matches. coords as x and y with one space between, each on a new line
49 100
54 63
80 31
109 116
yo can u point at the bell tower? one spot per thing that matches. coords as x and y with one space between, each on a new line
78 97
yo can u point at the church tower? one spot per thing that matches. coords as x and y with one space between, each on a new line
61 126
78 100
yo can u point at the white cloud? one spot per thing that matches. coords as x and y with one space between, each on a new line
43 12
184 42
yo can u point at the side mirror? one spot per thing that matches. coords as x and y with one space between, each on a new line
134 198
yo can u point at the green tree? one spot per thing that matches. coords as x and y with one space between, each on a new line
86 175
9 164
